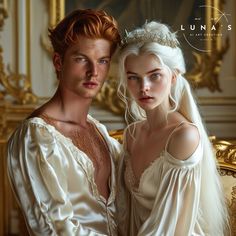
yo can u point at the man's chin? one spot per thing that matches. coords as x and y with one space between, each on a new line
91 95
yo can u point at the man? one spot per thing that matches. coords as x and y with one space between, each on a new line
60 159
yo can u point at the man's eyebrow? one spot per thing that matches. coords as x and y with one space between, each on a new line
78 53
130 72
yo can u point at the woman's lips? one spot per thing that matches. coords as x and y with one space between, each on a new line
146 99
90 85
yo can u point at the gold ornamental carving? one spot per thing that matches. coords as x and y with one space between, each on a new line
107 97
3 12
226 154
16 85
226 157
56 13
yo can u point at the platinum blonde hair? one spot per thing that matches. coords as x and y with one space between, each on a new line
213 207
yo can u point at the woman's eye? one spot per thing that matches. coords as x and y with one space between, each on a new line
155 76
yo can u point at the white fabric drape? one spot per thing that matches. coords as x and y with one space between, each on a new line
54 183
167 199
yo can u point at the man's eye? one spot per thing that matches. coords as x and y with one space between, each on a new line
155 76
80 59
104 61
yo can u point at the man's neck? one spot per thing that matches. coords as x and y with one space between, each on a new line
69 107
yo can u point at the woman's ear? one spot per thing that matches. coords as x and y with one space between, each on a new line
175 74
173 79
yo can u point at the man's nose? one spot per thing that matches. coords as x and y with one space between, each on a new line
92 70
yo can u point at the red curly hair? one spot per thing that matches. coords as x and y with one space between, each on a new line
89 23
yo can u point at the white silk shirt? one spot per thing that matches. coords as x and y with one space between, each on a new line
54 182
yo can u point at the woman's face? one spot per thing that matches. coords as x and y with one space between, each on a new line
148 81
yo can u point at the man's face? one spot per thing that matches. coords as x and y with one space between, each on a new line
84 67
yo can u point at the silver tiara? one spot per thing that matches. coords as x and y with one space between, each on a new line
145 36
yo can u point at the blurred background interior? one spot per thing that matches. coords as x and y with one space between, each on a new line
206 30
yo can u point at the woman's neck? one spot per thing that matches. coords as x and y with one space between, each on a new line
157 118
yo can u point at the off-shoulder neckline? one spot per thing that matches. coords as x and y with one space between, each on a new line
165 155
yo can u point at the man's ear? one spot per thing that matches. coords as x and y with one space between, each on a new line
57 61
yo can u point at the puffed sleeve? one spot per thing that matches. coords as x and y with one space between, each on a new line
177 199
37 169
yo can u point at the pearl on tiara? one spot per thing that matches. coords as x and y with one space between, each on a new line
144 35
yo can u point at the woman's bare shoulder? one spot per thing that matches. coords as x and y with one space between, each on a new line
184 141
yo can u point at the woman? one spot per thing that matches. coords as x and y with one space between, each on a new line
169 184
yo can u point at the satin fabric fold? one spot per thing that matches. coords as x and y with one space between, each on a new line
54 182
166 201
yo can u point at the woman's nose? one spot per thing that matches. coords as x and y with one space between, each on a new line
145 85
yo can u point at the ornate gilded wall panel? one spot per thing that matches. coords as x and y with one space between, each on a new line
17 85
3 12
226 154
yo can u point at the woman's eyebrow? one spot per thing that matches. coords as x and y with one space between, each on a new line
151 71
154 70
